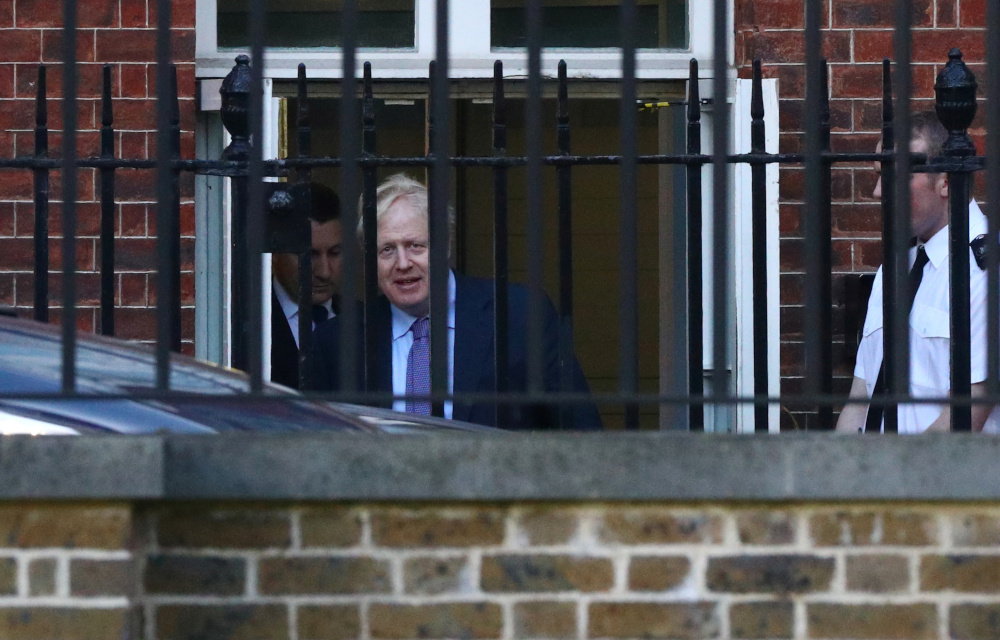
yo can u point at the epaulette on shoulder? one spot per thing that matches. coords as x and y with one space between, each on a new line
978 246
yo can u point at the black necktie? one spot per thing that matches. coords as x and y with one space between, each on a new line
874 420
319 313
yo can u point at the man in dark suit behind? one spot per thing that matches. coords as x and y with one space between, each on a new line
402 327
324 219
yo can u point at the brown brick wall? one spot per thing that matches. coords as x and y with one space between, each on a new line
121 33
676 571
857 34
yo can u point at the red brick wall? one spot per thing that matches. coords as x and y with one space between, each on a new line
122 33
857 34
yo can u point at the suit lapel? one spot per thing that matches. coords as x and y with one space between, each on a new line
473 339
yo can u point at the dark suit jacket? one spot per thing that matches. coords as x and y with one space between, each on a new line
474 358
284 352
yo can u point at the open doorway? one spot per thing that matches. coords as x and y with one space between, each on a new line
401 131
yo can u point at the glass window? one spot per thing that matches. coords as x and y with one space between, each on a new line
660 24
384 24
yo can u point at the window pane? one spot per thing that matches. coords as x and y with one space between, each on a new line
661 24
316 23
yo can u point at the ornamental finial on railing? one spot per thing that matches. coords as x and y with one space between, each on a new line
235 92
955 104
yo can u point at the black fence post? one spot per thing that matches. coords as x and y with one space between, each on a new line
696 363
41 197
564 176
235 92
955 103
107 210
758 179
369 215
889 233
501 266
303 176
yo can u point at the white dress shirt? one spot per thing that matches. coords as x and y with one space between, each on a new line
930 332
291 308
402 340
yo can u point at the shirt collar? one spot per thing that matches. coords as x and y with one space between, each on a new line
402 321
291 307
937 246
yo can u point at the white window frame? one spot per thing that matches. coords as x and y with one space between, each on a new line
473 58
471 55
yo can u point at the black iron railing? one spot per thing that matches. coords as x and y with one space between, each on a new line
254 205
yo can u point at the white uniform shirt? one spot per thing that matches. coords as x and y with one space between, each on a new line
291 308
930 332
402 340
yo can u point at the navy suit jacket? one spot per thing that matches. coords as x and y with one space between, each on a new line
475 369
284 351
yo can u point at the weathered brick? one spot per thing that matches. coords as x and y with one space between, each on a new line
233 622
653 620
42 577
547 526
8 576
659 526
429 528
975 530
541 619
323 575
974 621
960 572
657 573
535 573
766 527
243 529
863 622
329 622
878 573
195 575
101 577
330 527
842 528
65 526
769 574
433 575
447 620
761 620
49 623
910 529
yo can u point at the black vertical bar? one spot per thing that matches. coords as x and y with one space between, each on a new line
69 191
41 187
629 234
255 201
164 197
535 221
758 186
813 227
993 191
961 348
349 151
825 229
501 267
174 231
889 274
303 175
107 210
896 324
370 222
720 202
439 193
696 350
565 181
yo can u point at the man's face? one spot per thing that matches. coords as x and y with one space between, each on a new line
326 263
404 258
928 196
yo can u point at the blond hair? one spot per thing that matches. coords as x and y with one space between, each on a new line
397 187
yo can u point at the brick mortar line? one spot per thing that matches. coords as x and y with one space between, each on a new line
69 602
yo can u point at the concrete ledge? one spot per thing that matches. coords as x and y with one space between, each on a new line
603 467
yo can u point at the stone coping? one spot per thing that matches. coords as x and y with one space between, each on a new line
519 467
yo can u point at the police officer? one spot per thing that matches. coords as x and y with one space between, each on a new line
930 318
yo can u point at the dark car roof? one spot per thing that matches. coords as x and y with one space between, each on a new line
31 363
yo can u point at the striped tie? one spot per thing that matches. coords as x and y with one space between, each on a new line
418 368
